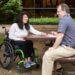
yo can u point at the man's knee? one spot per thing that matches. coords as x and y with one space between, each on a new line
46 55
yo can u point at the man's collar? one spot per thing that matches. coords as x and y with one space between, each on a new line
66 15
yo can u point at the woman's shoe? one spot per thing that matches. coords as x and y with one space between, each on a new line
32 63
27 65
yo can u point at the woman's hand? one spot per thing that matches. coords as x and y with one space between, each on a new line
43 33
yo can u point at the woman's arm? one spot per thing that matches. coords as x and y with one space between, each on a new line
36 32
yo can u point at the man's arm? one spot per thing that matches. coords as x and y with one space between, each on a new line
58 40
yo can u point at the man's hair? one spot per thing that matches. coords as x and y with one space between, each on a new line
65 7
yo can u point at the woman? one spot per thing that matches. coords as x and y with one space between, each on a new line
19 31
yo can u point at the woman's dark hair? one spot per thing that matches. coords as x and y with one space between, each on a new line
19 20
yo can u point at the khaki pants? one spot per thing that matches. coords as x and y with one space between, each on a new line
52 54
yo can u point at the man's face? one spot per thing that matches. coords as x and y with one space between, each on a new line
60 12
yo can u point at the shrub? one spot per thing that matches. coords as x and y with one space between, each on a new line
12 6
43 21
9 9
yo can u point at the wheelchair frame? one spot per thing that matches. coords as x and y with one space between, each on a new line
8 54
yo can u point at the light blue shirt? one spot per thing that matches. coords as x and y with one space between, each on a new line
67 26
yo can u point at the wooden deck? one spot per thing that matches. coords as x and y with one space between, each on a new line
13 71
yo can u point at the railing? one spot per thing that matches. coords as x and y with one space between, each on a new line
44 12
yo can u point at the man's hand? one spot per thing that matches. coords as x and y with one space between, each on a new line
53 32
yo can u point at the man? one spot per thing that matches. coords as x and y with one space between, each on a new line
65 40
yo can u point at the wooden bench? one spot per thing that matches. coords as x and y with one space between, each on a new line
66 61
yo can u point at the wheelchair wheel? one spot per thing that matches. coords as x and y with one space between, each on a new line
6 55
20 53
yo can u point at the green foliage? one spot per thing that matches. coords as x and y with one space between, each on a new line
1 38
43 21
12 6
9 9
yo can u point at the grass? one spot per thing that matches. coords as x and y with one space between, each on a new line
1 38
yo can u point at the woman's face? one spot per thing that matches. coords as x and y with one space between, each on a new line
25 18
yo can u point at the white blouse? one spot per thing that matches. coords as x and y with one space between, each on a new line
16 33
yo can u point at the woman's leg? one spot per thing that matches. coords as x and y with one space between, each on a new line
29 48
21 45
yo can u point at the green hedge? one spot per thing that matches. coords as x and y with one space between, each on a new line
43 21
38 21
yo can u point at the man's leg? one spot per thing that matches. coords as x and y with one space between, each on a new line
51 55
47 66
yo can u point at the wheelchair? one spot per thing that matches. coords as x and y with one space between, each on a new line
9 53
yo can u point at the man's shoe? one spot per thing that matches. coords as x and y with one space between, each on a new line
60 69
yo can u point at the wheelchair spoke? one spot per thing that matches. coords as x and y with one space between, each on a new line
5 57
